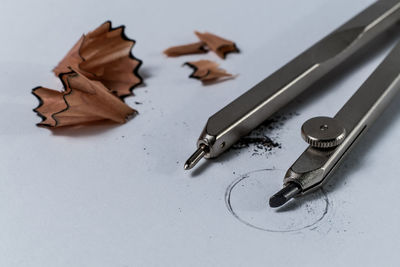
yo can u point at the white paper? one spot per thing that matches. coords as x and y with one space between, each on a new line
118 196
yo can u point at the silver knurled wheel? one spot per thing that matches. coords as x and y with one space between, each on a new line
323 132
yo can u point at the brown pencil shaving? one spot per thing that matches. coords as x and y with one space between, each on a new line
207 71
82 101
217 44
180 50
104 54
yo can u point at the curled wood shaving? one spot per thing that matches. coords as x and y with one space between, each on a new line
194 48
104 54
82 101
97 73
217 44
207 71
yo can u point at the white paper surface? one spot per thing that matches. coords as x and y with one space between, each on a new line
118 196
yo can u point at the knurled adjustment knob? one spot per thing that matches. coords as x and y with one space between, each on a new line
323 132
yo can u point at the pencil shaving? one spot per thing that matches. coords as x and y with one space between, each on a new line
104 55
180 50
217 44
207 71
82 101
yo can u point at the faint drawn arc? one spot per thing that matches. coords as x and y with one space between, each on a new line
230 208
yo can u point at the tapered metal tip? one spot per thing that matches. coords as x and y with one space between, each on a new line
187 166
196 157
277 201
283 196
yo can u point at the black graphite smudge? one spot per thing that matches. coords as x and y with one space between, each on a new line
262 140
138 103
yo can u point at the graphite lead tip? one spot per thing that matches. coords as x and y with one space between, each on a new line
283 196
196 157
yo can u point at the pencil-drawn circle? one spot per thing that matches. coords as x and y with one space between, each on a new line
247 200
